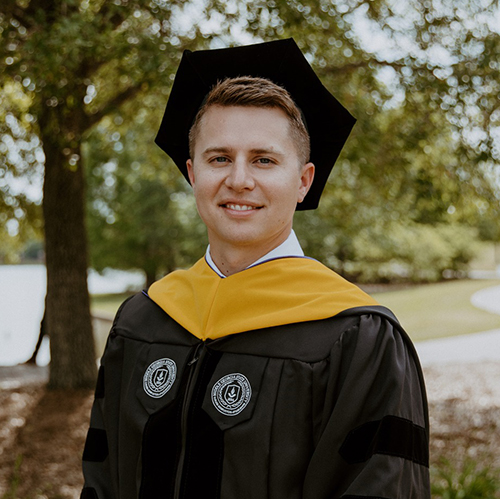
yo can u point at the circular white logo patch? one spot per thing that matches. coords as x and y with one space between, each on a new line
231 394
159 377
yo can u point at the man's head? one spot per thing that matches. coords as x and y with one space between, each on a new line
247 178
280 62
248 91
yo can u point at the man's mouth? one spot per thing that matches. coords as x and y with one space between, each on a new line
240 207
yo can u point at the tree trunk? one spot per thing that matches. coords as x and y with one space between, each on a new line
72 348
41 334
150 277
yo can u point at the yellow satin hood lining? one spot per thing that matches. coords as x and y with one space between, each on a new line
273 293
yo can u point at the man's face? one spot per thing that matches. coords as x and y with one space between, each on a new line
246 177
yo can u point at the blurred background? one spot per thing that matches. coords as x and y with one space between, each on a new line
88 202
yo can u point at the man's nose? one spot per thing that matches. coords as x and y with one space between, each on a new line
240 176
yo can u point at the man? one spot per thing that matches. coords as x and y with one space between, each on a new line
258 373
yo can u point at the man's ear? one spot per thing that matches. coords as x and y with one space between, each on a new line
190 170
306 180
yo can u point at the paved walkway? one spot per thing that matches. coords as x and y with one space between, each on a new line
477 347
487 299
12 377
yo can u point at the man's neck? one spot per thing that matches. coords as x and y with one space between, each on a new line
232 259
231 264
289 247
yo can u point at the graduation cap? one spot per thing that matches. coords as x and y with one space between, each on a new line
280 61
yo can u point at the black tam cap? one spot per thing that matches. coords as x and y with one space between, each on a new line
282 62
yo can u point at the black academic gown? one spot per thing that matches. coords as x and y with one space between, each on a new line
310 406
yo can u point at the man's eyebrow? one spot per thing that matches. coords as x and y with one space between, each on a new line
227 150
223 150
272 152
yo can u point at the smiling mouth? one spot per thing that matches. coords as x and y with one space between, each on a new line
240 207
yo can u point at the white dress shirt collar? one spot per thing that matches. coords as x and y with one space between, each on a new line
290 247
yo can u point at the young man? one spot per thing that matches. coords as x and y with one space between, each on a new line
258 373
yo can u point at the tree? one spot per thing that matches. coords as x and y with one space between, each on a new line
20 148
80 61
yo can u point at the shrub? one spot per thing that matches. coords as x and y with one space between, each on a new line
412 252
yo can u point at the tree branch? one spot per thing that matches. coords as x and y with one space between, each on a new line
114 18
112 14
112 105
26 15
361 64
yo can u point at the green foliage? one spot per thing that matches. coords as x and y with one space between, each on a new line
489 229
21 163
424 147
410 252
469 481
79 61
393 251
423 153
140 212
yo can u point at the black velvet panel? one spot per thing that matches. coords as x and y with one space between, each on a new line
96 446
160 450
99 389
89 493
205 443
390 435
161 446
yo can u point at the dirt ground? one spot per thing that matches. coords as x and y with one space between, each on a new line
42 433
41 441
464 409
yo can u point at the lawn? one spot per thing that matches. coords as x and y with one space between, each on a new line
441 309
426 311
107 304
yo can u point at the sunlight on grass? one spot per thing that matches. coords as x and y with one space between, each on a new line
107 304
441 309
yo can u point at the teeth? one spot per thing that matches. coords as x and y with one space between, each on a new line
240 207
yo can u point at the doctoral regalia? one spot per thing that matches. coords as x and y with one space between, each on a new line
283 381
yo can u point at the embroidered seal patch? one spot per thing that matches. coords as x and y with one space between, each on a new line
231 394
159 377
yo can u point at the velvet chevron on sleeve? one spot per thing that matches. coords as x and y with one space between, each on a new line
375 431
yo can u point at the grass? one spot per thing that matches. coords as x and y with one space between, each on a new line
108 303
469 481
426 311
440 309
14 480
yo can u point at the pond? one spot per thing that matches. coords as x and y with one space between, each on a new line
22 294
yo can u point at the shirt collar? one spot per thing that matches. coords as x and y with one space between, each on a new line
290 247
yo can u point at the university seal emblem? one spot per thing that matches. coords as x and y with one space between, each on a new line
231 394
159 377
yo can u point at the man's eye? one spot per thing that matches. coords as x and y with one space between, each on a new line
220 159
265 161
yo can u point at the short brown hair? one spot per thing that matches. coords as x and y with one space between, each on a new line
250 91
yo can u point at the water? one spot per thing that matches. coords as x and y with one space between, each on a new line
22 295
